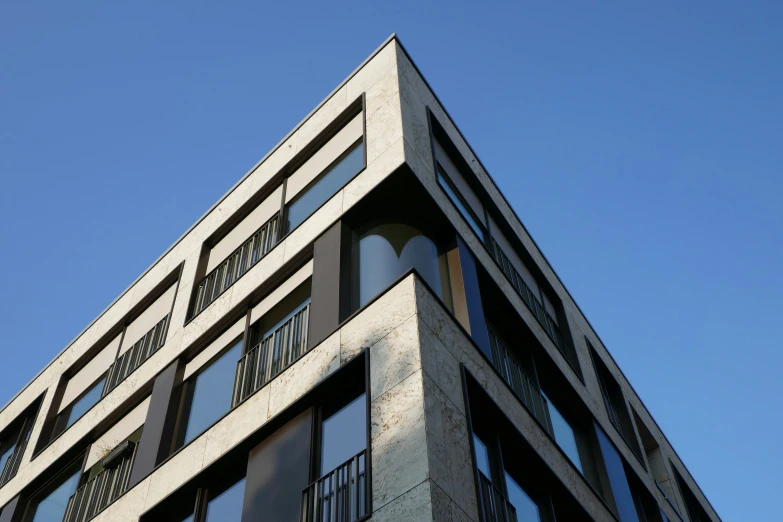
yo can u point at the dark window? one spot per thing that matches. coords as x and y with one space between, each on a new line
50 504
696 512
386 251
13 442
208 394
344 434
615 404
527 510
332 180
74 412
456 198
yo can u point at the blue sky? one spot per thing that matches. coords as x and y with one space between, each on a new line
640 144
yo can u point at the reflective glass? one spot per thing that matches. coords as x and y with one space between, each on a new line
52 508
626 509
7 449
458 203
527 510
87 401
387 251
482 456
564 435
227 507
212 393
344 435
326 187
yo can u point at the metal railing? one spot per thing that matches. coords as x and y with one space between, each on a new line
272 355
15 459
494 505
524 387
339 496
239 262
135 356
531 300
101 490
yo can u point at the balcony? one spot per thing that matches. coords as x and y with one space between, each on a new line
239 262
339 496
523 386
105 487
135 356
276 352
531 300
493 504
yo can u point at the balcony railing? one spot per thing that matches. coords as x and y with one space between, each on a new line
520 382
531 300
272 355
339 496
493 504
135 356
104 488
15 459
239 262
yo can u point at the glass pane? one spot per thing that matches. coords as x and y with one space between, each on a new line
387 251
326 187
212 393
188 519
52 508
7 449
617 479
527 510
462 209
482 456
564 435
81 406
344 434
227 507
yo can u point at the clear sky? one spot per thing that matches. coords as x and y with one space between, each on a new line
641 145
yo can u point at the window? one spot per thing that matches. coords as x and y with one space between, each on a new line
227 506
527 510
482 456
207 395
451 192
13 442
615 470
564 435
696 511
386 251
75 411
615 403
332 180
49 505
344 434
221 501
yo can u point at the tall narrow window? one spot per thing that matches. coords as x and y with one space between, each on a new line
13 442
564 435
526 509
621 491
207 395
344 434
227 506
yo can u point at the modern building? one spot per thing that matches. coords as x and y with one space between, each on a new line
362 328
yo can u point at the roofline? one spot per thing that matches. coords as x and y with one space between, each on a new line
386 42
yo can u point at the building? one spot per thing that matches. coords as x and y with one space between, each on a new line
360 329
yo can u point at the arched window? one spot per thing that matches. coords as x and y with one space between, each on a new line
387 251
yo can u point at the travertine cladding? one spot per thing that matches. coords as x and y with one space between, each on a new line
385 152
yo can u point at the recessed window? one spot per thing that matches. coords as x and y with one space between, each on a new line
344 434
227 506
80 407
208 395
564 435
527 510
455 198
50 505
387 251
482 456
326 186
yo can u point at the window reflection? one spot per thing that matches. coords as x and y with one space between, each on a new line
527 510
227 506
323 189
387 251
451 192
52 507
564 435
211 393
344 434
482 456
81 406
